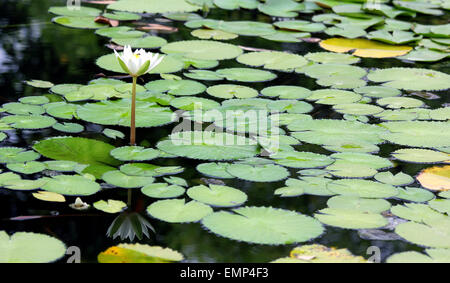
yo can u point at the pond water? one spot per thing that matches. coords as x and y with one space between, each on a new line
32 47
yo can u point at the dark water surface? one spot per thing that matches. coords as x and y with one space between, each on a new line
31 47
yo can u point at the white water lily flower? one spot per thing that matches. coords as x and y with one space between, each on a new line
139 62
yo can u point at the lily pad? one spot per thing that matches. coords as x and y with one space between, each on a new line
217 195
163 190
263 225
364 47
178 211
119 179
71 185
24 247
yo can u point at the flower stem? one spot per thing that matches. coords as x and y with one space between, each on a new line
130 195
133 114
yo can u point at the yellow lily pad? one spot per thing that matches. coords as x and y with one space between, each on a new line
49 196
435 178
364 47
138 253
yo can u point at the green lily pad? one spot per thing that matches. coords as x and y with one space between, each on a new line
272 60
208 146
414 194
32 122
153 6
417 133
71 185
411 78
85 151
78 22
263 225
399 179
217 195
134 153
362 188
228 91
264 173
246 75
419 155
118 113
142 42
350 218
17 155
163 190
119 179
216 170
203 49
178 211
359 204
176 87
24 247
30 167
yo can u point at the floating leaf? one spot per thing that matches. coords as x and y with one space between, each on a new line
17 155
364 47
32 122
246 75
176 87
153 6
263 225
30 167
203 49
208 146
217 195
330 132
286 92
39 84
134 153
49 196
142 42
85 151
411 78
216 170
228 91
213 34
162 190
119 179
359 204
24 247
78 22
273 60
119 113
264 173
418 155
350 218
400 179
296 159
320 254
71 185
432 256
74 11
414 194
110 206
417 133
138 253
177 211
434 233
435 178
362 188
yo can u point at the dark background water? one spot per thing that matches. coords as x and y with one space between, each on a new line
31 47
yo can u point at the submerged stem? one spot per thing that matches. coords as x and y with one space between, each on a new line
130 195
133 113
